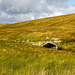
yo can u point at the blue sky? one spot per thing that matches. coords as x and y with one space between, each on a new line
71 2
13 11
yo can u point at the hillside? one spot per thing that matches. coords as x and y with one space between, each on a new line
55 27
20 58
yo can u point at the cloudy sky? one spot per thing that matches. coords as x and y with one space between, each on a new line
12 11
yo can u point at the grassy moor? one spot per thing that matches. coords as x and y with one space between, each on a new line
20 53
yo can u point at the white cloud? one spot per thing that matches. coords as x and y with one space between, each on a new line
22 10
0 1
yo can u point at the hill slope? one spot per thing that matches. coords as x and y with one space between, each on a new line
22 58
55 27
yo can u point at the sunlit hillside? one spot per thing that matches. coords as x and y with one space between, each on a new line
22 58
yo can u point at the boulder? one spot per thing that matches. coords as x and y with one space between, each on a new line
50 45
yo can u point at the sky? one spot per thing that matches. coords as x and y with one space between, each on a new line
13 11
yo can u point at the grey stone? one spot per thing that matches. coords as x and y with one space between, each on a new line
47 38
55 39
27 41
57 42
41 39
38 44
23 41
50 45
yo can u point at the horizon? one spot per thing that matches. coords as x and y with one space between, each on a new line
37 19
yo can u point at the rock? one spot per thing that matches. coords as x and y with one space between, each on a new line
50 45
31 42
27 41
38 44
57 42
41 39
18 41
23 41
47 38
55 39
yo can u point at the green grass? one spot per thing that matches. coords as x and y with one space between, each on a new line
37 63
18 58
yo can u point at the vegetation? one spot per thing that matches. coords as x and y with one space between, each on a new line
23 58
